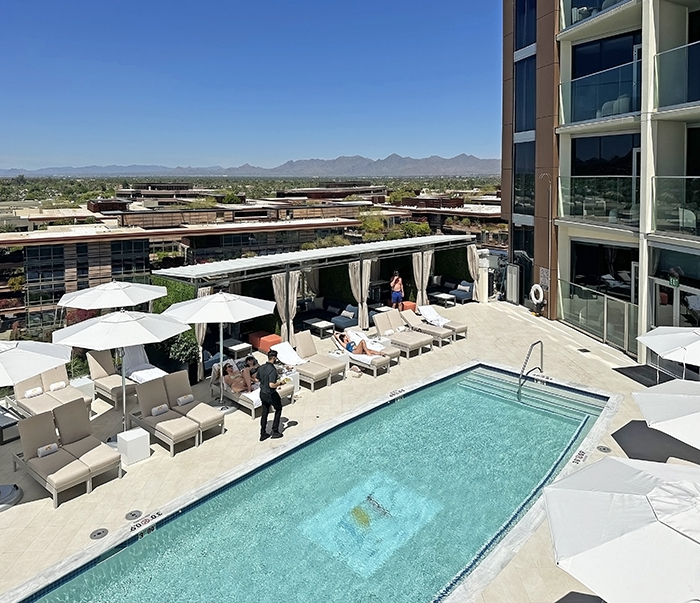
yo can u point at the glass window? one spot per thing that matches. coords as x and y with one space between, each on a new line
525 95
599 55
692 167
524 179
603 155
525 23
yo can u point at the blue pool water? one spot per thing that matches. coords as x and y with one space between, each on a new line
389 507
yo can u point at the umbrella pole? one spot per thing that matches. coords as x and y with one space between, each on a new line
221 363
123 391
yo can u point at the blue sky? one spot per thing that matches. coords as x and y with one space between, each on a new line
219 82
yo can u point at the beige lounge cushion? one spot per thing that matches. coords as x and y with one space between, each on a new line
97 456
35 432
22 387
456 327
202 414
313 371
174 425
305 344
335 365
73 421
68 394
36 406
435 331
61 470
100 364
112 386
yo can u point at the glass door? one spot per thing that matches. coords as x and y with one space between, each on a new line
664 302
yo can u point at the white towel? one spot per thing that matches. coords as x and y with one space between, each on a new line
356 337
431 315
287 355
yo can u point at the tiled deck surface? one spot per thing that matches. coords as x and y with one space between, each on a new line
34 536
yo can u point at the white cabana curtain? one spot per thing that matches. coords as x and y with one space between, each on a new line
286 306
200 330
421 273
473 261
360 290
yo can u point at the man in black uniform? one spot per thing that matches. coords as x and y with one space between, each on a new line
267 375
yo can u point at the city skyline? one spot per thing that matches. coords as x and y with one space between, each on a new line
237 83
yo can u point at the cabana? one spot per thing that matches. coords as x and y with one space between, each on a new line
285 270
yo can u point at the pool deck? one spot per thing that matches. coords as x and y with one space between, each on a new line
35 536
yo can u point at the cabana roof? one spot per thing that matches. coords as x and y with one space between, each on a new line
255 267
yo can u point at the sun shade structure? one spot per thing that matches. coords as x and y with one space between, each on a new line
116 294
678 344
629 530
119 330
674 408
20 360
222 308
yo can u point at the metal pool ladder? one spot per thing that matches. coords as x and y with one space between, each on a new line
523 374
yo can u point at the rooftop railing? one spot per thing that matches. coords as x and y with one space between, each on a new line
677 204
576 11
678 76
608 93
608 199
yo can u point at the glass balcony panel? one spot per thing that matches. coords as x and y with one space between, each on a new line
580 10
678 76
677 204
604 94
610 199
615 322
632 333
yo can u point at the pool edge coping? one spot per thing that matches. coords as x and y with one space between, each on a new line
66 569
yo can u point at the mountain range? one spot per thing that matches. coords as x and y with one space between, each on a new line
355 166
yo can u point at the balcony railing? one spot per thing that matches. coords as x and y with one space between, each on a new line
678 76
609 199
580 10
615 91
677 204
607 318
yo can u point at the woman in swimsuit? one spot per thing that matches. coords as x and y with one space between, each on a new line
359 348
238 381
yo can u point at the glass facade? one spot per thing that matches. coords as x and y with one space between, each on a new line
604 268
603 155
130 259
524 179
524 256
580 10
525 95
525 23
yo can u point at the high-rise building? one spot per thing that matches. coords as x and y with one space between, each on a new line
601 99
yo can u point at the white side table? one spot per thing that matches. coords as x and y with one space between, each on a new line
134 445
85 385
340 355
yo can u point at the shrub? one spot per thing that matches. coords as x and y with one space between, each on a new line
184 348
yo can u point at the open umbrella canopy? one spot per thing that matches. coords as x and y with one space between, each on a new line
20 360
674 408
116 294
220 307
118 330
629 530
679 344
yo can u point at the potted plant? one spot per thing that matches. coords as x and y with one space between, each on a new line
184 350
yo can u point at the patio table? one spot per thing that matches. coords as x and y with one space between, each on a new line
324 327
444 298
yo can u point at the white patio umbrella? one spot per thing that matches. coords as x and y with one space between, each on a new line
679 344
674 408
629 530
119 330
222 308
116 294
20 360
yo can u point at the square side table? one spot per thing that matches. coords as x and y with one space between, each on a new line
134 445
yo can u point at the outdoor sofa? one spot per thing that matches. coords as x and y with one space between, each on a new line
324 308
46 391
462 290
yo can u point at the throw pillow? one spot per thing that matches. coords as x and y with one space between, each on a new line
34 392
159 410
186 399
347 314
463 288
435 280
318 303
43 451
333 309
54 387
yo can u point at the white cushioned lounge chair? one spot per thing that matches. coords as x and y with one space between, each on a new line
356 334
310 372
306 348
57 471
170 427
108 383
75 431
178 389
439 334
390 324
431 315
364 361
46 391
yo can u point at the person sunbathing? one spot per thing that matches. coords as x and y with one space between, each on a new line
355 348
238 380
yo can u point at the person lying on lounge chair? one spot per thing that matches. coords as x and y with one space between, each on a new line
356 348
238 380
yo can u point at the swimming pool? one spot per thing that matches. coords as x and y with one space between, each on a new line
391 506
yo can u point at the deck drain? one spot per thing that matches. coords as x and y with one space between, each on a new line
604 449
97 534
584 350
132 515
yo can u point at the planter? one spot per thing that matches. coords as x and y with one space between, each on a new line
192 373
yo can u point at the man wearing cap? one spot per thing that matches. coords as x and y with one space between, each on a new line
269 382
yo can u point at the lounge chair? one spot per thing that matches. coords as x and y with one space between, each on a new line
431 315
46 391
178 389
306 348
248 400
389 324
108 383
309 372
170 427
439 334
57 384
365 361
137 367
57 471
74 429
373 343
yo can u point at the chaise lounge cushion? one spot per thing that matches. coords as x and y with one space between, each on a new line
61 469
172 424
95 454
64 394
178 385
307 350
105 377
